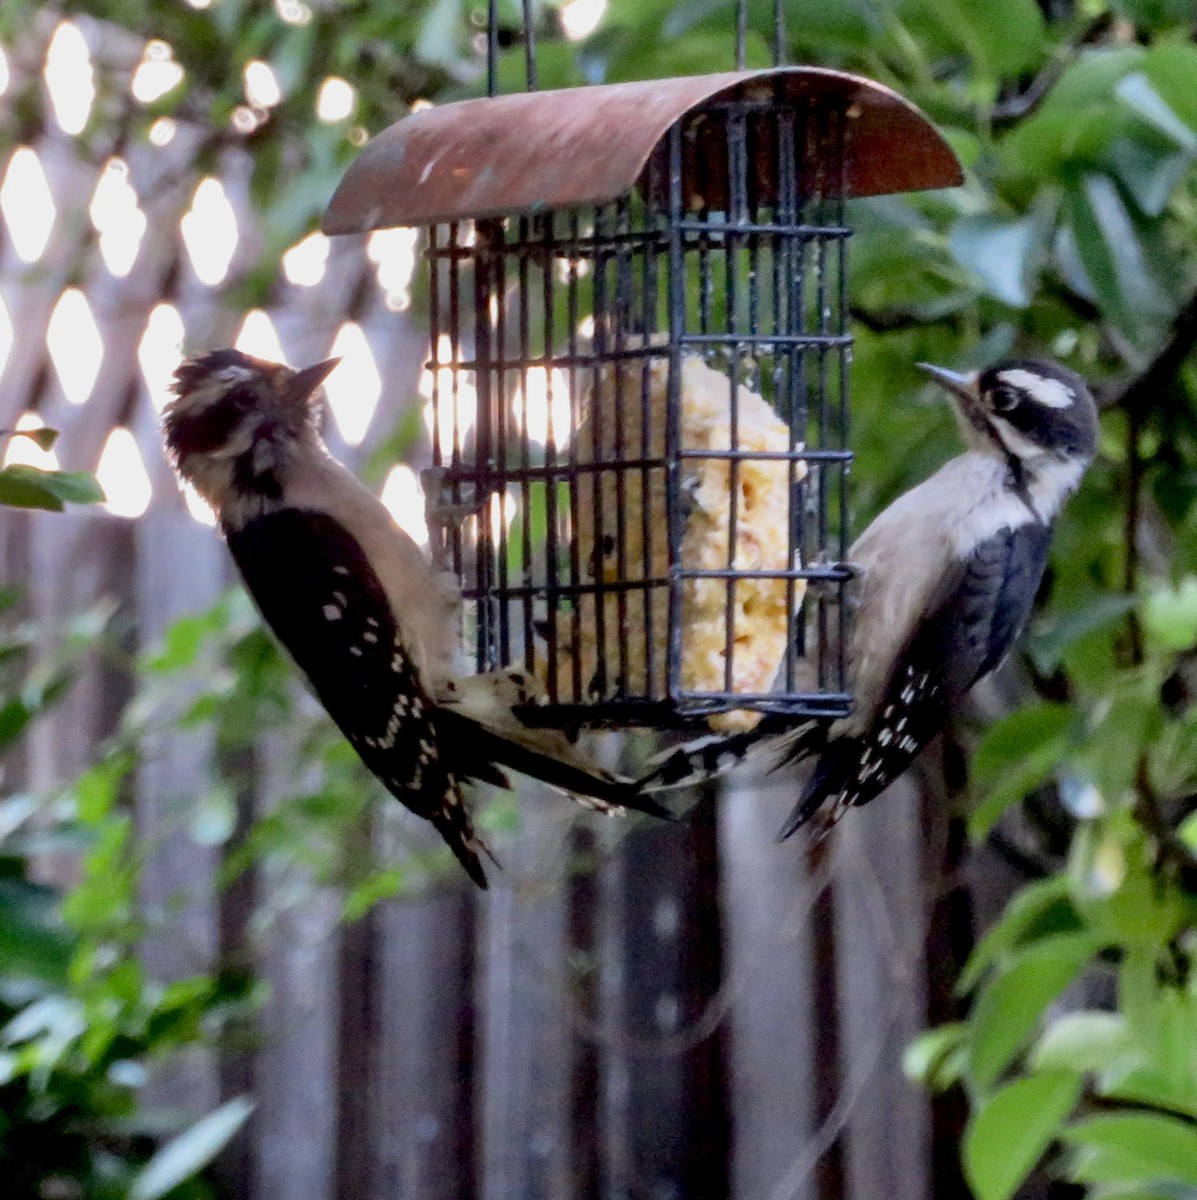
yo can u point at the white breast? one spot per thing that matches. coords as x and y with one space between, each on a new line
904 555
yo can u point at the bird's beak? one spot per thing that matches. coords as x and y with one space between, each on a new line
304 383
963 386
970 412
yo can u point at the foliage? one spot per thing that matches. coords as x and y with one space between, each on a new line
32 487
83 1025
79 1022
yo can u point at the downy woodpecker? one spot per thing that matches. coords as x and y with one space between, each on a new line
354 601
946 577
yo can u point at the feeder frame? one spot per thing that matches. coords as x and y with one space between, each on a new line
708 212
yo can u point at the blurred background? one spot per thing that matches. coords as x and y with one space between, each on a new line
229 966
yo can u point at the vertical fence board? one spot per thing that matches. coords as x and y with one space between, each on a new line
295 1068
523 1004
77 560
767 901
673 1015
881 921
422 1086
179 571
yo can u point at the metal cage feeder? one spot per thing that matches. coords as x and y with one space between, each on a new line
640 362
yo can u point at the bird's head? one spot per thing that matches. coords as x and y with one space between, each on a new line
236 419
1035 413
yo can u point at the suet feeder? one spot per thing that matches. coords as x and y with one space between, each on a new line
639 367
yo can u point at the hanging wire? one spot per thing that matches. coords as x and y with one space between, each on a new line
779 33
492 47
529 46
741 33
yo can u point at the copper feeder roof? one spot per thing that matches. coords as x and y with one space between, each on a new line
531 151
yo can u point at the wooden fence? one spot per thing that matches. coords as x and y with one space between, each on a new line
633 1010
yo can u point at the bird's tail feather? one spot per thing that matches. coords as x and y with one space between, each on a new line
467 850
827 779
770 744
454 823
477 713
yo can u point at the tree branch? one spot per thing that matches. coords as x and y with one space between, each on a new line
1142 392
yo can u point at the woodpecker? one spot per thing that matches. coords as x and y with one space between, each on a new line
945 580
355 602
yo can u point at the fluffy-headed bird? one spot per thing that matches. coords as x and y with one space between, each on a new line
354 601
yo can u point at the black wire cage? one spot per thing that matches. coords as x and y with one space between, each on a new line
639 377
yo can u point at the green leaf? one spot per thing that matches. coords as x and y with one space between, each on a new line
936 1058
1039 909
440 31
29 487
1172 67
1082 1041
1010 1132
1170 615
1059 630
215 816
1148 1146
1137 93
186 1155
1016 756
997 47
999 253
1010 1004
15 716
382 885
43 437
1126 280
21 487
1149 174
1078 119
34 943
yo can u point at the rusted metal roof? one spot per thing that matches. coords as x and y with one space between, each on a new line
532 151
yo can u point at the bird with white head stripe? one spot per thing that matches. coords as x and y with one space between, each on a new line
946 579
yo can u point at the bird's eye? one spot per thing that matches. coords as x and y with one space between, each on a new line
1004 399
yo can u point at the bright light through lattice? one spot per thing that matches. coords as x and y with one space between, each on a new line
305 263
293 12
354 387
259 337
394 250
122 475
580 18
76 349
5 334
156 74
69 78
502 513
160 351
454 392
162 132
197 506
545 394
404 498
335 100
117 217
27 204
25 451
209 231
261 84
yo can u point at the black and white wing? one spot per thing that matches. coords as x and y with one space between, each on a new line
977 613
324 602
